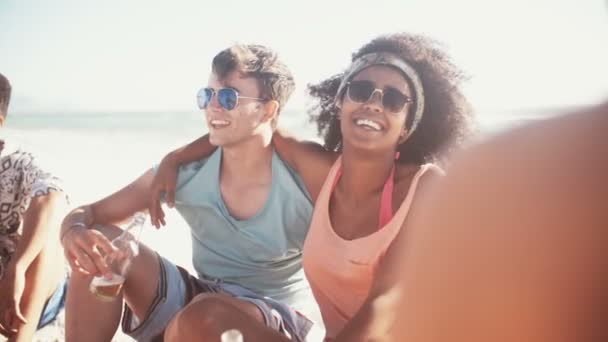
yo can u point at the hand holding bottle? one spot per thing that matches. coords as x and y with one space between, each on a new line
126 248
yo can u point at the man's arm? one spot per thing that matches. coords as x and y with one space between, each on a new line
41 223
375 319
23 300
84 248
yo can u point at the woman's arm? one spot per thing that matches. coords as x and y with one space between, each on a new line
193 151
309 159
375 320
165 178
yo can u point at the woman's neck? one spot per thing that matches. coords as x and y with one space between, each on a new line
363 176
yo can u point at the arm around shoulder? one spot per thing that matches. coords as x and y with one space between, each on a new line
308 158
191 152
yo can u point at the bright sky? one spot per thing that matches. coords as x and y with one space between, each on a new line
137 55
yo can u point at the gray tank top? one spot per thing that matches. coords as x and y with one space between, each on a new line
263 253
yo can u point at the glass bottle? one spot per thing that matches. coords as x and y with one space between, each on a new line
126 249
232 335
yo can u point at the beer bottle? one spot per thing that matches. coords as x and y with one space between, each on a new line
232 335
126 249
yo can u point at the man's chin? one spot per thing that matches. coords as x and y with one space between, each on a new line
221 142
216 141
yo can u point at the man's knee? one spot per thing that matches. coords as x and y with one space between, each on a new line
206 315
207 311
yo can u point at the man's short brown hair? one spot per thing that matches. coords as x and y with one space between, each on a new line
5 95
274 78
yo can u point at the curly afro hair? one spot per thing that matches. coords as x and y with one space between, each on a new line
447 117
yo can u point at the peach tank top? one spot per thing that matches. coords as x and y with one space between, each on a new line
340 272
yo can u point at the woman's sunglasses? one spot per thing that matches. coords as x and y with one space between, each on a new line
228 98
392 99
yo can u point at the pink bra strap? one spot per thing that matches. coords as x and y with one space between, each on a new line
386 201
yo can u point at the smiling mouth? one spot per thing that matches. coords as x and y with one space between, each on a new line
217 124
368 125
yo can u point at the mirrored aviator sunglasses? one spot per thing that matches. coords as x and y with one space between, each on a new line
392 99
228 98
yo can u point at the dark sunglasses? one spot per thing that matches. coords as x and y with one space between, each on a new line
227 97
392 99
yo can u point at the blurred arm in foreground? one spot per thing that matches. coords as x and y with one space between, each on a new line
512 246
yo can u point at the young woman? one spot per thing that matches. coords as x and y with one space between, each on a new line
385 120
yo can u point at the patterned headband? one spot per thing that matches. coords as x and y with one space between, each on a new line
383 58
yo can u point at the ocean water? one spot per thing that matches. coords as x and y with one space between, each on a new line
100 151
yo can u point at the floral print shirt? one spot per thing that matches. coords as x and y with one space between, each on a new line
21 179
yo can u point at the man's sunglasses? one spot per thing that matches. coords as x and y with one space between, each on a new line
228 98
392 99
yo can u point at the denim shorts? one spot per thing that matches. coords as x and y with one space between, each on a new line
54 305
176 288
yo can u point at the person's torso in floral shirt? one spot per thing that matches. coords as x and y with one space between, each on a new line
21 179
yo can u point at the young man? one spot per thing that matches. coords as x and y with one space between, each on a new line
247 211
32 272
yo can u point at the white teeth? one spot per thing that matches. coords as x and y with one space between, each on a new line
368 123
219 123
